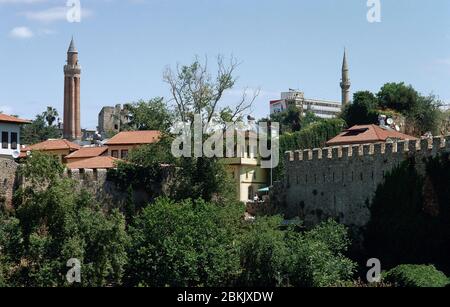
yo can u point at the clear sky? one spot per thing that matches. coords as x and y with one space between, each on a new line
125 45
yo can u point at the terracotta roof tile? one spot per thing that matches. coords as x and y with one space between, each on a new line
12 119
135 138
53 145
367 134
94 163
87 152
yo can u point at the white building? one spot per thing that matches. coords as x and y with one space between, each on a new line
10 135
321 108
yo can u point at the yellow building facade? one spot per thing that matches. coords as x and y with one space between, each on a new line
247 175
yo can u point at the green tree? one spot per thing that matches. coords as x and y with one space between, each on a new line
185 244
362 111
195 90
275 257
204 178
292 120
38 131
57 223
50 115
148 115
145 170
422 111
193 178
399 97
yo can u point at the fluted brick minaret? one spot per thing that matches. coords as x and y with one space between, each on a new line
72 72
345 82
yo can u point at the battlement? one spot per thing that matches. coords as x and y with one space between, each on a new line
89 175
340 182
424 147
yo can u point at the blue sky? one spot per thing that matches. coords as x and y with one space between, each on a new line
125 45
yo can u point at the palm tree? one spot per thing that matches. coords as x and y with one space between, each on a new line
50 115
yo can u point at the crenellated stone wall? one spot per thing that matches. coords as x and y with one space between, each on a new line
95 181
340 182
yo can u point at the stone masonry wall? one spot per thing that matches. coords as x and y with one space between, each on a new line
340 182
94 181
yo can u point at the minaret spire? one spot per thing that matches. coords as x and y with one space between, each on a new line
72 48
345 82
72 72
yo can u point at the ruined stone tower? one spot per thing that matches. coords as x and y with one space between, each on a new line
345 82
72 71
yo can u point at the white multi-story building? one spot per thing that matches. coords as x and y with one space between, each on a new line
10 135
321 108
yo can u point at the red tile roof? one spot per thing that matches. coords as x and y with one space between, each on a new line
367 134
87 152
49 145
94 163
135 138
11 119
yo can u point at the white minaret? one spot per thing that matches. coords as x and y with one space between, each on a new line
345 82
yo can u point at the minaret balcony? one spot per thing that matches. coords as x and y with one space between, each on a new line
72 69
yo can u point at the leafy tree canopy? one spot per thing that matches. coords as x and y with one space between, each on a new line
39 131
148 115
54 223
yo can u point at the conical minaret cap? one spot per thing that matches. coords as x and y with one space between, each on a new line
344 62
72 48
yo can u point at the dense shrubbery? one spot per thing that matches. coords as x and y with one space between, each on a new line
54 223
169 243
272 257
422 112
414 276
188 243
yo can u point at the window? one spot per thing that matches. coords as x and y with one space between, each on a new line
14 140
115 153
5 140
250 192
124 154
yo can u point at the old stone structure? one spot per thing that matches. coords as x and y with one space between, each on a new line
95 181
72 72
340 182
110 120
345 83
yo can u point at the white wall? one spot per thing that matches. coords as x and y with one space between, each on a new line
9 127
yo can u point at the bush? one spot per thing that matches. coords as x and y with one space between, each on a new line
54 223
272 257
415 276
185 244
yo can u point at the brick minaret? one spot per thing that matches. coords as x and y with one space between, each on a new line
72 71
345 84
